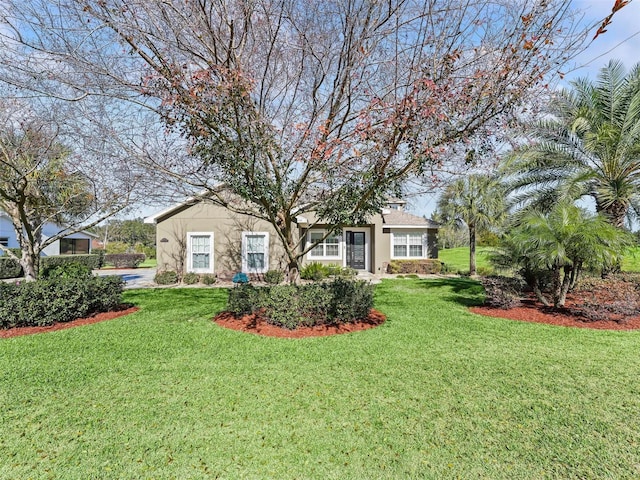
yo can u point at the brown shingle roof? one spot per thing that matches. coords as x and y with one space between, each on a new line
397 217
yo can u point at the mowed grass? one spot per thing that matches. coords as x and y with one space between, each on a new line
457 259
435 392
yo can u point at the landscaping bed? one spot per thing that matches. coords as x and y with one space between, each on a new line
258 324
120 311
611 304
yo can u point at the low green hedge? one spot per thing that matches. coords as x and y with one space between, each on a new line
10 268
46 302
290 306
424 266
90 260
124 260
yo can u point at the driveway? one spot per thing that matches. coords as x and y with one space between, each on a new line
135 277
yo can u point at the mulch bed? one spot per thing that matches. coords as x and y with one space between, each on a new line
98 317
531 311
258 325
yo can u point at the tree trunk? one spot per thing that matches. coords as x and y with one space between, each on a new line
472 249
29 262
564 287
539 295
556 285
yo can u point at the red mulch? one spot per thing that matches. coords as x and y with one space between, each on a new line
258 325
531 311
98 317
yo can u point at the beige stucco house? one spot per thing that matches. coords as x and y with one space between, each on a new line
200 237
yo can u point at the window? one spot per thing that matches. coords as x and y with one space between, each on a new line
329 248
408 245
255 252
200 252
74 246
4 241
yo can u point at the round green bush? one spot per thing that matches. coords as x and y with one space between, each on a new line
166 278
66 270
274 277
208 279
190 278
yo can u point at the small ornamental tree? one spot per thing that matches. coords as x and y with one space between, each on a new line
553 249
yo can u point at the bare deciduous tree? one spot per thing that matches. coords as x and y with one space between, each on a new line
300 106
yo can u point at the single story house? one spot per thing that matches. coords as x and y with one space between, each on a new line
201 237
72 244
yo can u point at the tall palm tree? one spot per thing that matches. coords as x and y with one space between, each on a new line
589 146
475 200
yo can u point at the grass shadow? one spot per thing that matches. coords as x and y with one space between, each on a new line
465 291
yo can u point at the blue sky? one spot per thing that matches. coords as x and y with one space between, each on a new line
621 41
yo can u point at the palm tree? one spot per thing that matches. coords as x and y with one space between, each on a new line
590 146
475 200
558 244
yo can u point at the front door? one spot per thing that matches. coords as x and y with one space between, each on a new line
356 255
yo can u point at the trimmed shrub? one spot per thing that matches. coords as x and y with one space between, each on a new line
350 300
289 306
10 268
208 278
124 260
274 277
243 300
282 306
46 302
91 260
315 304
101 252
67 270
166 278
190 278
427 266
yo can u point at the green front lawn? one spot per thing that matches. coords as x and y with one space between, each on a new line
436 392
457 259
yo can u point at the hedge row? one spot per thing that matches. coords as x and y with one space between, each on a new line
10 268
425 266
290 306
46 302
92 261
124 260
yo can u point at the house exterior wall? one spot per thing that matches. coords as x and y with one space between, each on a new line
50 229
205 218
379 246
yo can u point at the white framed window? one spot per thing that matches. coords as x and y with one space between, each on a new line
4 241
255 252
408 245
200 252
327 249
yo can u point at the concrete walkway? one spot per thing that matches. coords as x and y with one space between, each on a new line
134 277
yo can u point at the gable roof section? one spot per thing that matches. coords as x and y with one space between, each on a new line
400 219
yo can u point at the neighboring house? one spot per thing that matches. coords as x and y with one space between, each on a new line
73 244
198 236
